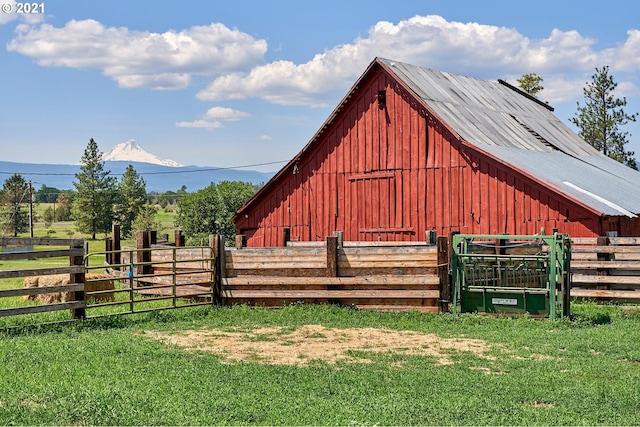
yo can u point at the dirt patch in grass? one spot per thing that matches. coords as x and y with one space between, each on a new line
300 346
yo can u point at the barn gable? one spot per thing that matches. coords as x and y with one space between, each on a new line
411 150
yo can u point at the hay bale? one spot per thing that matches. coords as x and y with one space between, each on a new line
31 282
54 280
99 282
93 282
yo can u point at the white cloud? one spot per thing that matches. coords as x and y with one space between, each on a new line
265 138
627 56
140 58
565 59
473 49
226 114
202 124
214 117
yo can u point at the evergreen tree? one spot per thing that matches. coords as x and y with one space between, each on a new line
48 217
600 119
95 193
14 194
146 219
132 196
530 83
63 207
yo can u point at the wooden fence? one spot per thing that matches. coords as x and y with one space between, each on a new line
75 271
373 275
606 269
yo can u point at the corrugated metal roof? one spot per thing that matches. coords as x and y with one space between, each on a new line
525 134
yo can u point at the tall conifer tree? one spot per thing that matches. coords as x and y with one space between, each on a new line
132 196
95 193
14 194
599 120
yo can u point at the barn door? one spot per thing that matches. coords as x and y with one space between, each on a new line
377 203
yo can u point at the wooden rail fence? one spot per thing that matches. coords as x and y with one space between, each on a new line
75 270
382 276
372 275
606 269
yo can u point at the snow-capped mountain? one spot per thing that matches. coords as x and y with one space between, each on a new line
131 151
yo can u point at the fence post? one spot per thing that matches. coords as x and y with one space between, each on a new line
332 256
108 247
115 234
153 236
602 256
332 265
501 249
78 260
241 241
144 254
443 273
340 236
216 243
179 237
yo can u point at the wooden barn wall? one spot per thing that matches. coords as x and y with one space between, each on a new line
622 226
393 174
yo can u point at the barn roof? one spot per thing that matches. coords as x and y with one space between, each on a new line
514 128
521 131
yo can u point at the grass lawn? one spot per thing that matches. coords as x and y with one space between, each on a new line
234 366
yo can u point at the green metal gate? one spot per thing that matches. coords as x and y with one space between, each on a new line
511 274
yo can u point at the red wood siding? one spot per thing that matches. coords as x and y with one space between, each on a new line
394 174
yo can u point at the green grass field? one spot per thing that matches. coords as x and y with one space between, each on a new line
111 371
67 229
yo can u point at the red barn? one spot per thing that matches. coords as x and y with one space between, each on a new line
411 150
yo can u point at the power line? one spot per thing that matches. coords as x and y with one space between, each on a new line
156 173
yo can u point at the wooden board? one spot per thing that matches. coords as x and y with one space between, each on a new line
331 294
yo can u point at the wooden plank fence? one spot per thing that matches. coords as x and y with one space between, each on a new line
606 269
75 270
393 276
373 275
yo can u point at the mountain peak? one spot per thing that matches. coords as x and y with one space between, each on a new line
131 151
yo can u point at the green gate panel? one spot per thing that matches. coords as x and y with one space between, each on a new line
511 274
504 302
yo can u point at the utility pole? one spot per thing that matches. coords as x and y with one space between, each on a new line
30 210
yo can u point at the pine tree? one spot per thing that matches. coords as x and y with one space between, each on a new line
63 209
146 219
132 196
14 194
530 83
600 119
95 193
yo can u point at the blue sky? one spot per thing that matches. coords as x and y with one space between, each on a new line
244 83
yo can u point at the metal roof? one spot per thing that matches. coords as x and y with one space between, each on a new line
524 133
